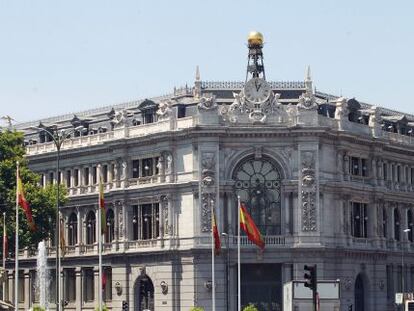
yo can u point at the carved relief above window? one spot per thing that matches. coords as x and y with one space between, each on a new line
258 183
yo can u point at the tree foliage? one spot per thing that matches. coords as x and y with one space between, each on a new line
250 307
42 201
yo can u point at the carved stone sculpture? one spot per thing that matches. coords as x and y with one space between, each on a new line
308 192
164 111
207 102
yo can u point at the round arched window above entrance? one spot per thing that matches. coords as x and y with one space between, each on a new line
258 183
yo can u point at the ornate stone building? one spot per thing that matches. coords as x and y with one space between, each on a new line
328 181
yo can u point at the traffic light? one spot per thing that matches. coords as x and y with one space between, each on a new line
124 305
310 278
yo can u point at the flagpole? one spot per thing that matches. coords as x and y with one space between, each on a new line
238 257
16 268
100 257
212 258
100 238
4 256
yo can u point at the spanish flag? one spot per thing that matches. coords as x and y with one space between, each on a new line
248 225
102 206
217 242
23 203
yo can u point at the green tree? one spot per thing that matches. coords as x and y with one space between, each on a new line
250 307
42 201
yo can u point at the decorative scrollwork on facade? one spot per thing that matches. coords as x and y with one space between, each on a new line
208 189
257 113
308 193
307 101
207 102
164 111
167 230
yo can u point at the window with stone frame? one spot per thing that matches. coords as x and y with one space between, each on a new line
69 284
94 175
51 177
34 293
145 167
68 178
359 220
358 167
107 283
384 222
105 173
88 284
73 229
397 224
384 171
75 178
86 176
110 226
90 228
145 221
410 225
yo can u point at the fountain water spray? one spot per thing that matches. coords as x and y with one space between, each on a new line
43 278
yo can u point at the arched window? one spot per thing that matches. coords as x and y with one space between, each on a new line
73 229
90 228
397 224
257 182
410 225
110 229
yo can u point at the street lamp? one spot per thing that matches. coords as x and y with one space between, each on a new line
402 263
58 137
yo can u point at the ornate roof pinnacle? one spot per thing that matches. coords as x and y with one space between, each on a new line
197 75
308 81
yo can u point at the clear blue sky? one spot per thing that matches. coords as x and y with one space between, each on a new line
59 57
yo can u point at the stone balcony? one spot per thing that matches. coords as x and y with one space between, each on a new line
174 124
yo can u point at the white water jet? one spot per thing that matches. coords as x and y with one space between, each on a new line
42 278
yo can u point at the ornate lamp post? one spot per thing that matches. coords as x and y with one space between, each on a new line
58 137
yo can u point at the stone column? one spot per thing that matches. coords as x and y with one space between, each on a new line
91 184
410 177
78 284
80 239
380 172
124 174
116 175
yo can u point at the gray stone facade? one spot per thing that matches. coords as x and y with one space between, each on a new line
342 197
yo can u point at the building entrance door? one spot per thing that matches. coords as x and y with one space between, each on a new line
144 294
261 284
359 293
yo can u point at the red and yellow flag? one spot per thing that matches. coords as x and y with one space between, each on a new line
248 226
217 242
23 203
102 206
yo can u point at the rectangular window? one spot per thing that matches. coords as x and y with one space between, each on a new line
147 168
70 285
86 176
52 286
107 283
145 222
355 166
359 220
51 178
364 168
34 294
94 175
21 286
390 283
393 172
385 170
181 111
76 178
41 181
105 173
412 175
398 173
406 175
88 285
135 168
68 177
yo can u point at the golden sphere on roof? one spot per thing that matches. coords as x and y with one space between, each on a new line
255 38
